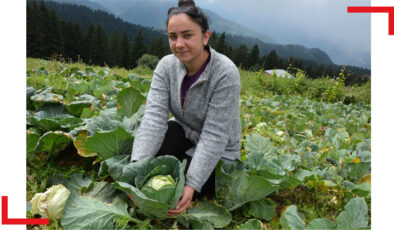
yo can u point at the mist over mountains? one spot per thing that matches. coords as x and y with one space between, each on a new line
153 13
252 22
323 24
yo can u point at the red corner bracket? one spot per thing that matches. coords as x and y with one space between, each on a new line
17 221
375 9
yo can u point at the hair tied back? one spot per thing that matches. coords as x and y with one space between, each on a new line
186 3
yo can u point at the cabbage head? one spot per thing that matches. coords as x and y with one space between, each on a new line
155 183
160 188
50 204
159 182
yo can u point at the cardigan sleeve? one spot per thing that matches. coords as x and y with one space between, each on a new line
222 111
153 127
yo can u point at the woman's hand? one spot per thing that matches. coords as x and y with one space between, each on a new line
132 199
184 203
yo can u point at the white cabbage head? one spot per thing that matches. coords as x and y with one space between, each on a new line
50 204
160 181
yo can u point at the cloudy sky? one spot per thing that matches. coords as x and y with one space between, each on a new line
313 23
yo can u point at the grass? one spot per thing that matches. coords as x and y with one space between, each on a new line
324 89
53 65
252 83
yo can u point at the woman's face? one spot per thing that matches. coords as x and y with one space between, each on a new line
186 39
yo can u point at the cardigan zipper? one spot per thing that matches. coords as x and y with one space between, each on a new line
187 93
183 106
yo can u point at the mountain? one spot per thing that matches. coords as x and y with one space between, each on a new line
83 15
220 24
323 24
313 54
153 13
320 48
87 3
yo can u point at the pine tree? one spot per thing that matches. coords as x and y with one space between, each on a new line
78 42
318 71
99 56
229 51
309 71
137 49
125 52
329 71
114 52
31 34
240 56
69 41
157 48
47 47
212 39
89 43
271 61
220 45
253 58
57 42
36 31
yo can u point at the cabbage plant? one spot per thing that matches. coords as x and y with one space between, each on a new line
155 183
161 188
50 204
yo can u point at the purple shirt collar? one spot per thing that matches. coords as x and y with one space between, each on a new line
189 80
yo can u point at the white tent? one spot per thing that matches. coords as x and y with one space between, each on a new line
279 73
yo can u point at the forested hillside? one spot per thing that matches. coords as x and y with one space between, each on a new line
99 38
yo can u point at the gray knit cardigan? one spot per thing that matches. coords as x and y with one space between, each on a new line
210 115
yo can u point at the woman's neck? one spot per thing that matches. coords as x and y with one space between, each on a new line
192 68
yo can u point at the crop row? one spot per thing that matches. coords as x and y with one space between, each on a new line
289 144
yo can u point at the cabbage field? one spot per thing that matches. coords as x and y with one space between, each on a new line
306 164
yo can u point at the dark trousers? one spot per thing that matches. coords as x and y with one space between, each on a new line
175 143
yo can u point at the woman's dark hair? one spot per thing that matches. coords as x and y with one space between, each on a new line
195 13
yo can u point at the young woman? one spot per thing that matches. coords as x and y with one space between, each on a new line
201 89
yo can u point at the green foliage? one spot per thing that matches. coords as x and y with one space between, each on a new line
321 224
129 101
82 209
329 90
143 71
292 219
251 224
206 214
48 145
262 209
295 151
148 60
334 93
109 143
353 217
236 186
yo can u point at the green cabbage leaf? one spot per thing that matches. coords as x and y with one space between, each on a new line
155 183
